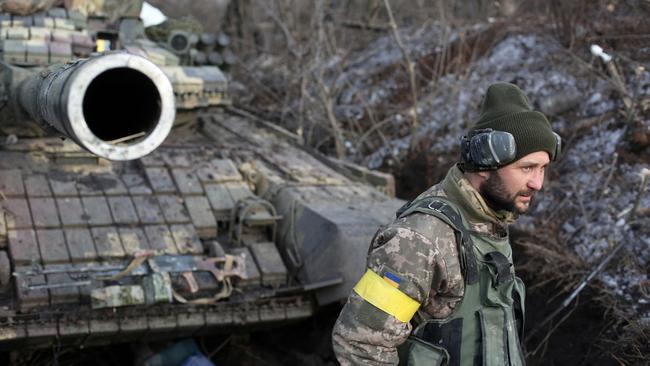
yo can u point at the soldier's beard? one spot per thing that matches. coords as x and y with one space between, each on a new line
498 197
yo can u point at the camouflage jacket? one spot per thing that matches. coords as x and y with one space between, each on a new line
422 249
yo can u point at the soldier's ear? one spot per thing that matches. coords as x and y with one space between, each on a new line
484 174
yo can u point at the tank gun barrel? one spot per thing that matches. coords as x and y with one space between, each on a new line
118 106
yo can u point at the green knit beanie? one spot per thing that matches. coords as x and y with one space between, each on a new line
506 108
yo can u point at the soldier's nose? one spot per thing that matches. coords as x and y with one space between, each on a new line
536 182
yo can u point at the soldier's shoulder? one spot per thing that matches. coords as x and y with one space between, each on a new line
426 224
423 223
433 191
417 231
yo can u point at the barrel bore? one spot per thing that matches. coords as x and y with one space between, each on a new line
121 103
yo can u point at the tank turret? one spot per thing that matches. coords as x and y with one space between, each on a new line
118 106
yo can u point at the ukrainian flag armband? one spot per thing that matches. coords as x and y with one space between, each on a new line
383 295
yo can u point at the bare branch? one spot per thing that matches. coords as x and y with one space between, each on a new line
324 91
354 24
413 113
271 13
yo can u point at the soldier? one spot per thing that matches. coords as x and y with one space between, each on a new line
440 286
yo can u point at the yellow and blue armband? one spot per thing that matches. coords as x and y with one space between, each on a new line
386 297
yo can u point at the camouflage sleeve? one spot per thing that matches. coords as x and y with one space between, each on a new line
366 335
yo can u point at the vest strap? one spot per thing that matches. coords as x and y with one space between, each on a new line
502 265
375 290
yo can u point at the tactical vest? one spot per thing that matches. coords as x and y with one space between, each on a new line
486 326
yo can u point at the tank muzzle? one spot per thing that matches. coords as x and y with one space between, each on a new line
118 106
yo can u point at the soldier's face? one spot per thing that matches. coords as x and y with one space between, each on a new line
513 186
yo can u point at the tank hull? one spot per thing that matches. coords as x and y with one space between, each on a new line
73 223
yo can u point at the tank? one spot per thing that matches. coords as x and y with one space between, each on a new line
137 203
